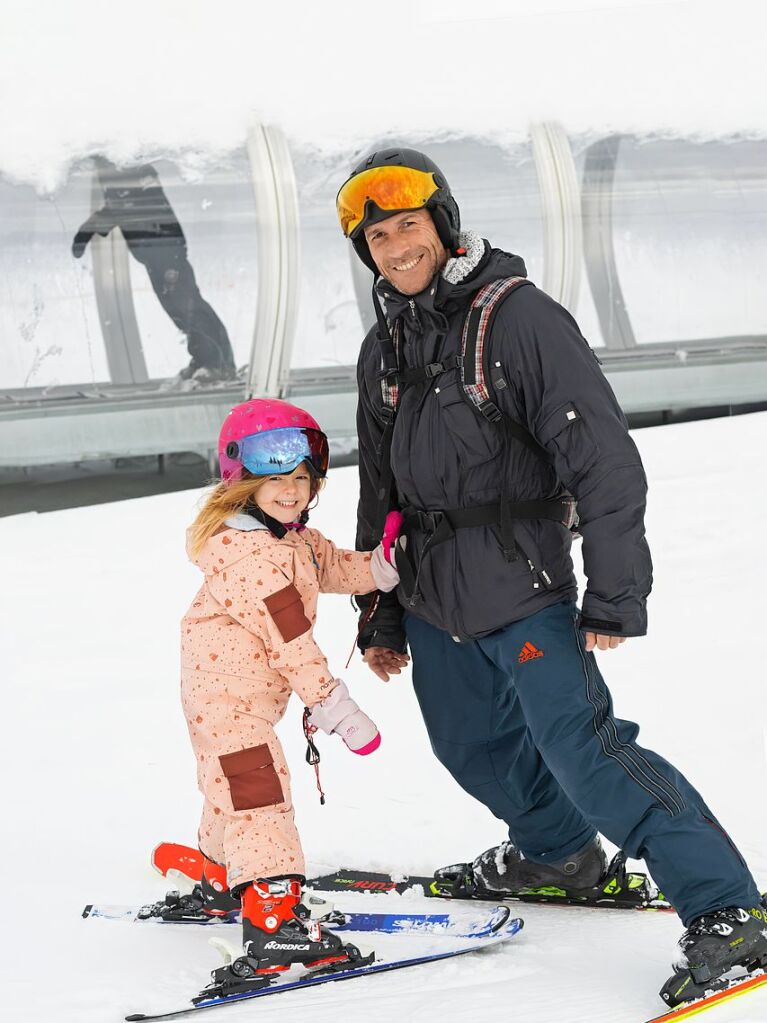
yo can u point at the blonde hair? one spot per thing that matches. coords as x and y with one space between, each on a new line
230 498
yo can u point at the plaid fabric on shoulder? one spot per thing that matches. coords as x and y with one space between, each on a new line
476 324
389 385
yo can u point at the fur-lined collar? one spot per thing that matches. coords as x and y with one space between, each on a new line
459 267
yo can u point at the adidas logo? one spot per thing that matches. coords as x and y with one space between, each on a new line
529 653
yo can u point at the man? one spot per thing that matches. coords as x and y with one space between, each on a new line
135 201
503 663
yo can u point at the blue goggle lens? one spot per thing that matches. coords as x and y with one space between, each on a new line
276 452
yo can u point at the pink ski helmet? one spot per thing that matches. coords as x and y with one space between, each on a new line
270 437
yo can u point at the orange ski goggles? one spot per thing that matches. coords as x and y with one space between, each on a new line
393 190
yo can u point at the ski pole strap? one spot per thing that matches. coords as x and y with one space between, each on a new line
312 753
364 619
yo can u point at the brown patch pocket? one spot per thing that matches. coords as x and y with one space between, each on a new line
253 781
287 611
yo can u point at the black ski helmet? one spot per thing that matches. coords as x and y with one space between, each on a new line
441 205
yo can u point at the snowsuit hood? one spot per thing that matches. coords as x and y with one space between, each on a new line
221 550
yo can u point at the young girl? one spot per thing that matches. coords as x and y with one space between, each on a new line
247 644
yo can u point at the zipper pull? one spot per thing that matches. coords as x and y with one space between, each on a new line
543 574
414 314
536 585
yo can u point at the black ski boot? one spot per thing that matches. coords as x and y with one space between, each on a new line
716 950
583 878
277 935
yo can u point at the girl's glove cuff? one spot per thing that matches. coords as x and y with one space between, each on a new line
338 713
385 575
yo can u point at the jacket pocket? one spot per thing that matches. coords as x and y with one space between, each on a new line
287 611
252 778
475 440
569 433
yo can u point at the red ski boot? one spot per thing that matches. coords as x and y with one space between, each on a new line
277 935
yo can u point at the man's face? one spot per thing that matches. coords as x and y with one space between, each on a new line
407 250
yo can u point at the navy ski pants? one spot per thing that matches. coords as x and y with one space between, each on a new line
524 722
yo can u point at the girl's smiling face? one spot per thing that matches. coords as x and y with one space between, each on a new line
285 497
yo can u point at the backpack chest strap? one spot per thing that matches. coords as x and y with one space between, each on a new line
434 369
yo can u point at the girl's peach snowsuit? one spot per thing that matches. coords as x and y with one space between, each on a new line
246 643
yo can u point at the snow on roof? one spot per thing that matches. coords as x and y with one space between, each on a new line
188 76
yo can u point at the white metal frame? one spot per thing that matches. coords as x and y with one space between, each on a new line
274 183
114 301
562 226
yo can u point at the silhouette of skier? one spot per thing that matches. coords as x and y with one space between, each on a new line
135 201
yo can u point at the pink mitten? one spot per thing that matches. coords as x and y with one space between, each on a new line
392 529
340 714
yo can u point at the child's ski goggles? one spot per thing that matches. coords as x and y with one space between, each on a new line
276 452
393 190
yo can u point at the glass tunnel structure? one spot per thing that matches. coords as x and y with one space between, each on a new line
139 303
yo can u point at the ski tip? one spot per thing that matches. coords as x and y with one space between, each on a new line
136 1016
87 910
499 917
514 926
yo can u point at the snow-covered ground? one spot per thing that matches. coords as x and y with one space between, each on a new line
97 766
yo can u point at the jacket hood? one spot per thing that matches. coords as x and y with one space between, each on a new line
225 548
461 278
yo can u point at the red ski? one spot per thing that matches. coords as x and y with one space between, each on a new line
691 1009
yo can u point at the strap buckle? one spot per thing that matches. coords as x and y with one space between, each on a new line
434 369
570 518
429 522
490 411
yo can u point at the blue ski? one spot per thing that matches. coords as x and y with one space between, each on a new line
389 923
504 931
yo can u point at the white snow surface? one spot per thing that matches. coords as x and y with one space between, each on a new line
187 77
98 769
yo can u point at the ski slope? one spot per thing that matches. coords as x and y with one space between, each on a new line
97 764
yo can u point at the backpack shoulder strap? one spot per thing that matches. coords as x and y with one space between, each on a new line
478 375
390 373
474 374
390 393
